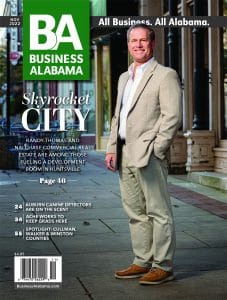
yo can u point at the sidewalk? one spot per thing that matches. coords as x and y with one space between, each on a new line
102 242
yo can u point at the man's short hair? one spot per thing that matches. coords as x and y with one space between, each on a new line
141 25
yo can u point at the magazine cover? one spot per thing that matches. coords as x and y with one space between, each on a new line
64 232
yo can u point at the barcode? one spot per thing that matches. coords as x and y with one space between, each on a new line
37 269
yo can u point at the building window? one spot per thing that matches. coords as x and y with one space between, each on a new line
87 87
122 7
172 38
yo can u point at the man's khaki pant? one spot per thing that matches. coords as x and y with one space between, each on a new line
146 201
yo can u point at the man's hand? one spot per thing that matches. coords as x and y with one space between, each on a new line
110 161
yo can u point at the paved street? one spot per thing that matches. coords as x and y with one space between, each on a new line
102 242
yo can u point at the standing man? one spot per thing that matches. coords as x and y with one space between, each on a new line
146 119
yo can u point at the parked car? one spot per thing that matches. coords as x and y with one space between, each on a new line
16 128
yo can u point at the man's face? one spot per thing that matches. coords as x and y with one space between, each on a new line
140 46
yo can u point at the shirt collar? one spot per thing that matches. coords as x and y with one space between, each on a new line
141 68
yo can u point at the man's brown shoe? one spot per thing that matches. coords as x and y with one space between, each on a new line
156 276
133 271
